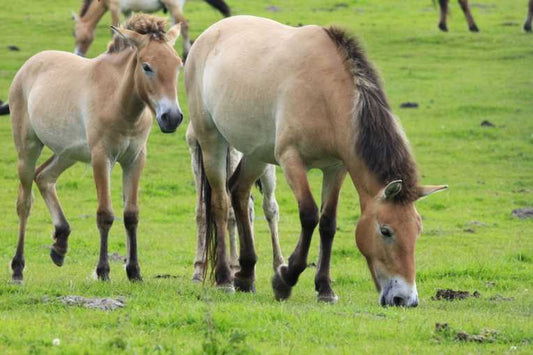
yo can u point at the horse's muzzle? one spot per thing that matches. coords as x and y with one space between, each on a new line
397 292
170 120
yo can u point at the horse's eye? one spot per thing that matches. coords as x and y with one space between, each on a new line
386 232
147 68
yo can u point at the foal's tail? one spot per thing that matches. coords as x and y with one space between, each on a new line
4 108
221 6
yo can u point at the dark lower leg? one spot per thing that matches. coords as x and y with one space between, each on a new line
327 228
443 14
24 203
131 220
527 24
469 18
104 220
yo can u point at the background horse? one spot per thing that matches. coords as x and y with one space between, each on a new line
93 10
267 187
470 19
104 116
260 86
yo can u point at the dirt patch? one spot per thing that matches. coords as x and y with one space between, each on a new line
13 48
116 257
523 213
487 124
409 105
104 304
450 295
166 276
273 8
499 298
485 336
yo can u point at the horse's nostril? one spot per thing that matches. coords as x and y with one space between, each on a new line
398 301
164 117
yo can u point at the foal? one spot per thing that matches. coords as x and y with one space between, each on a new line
93 10
97 111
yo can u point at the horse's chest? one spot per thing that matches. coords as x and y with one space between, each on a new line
127 6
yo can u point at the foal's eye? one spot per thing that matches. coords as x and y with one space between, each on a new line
147 68
386 232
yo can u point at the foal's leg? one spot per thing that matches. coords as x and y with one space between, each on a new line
469 18
331 186
175 7
131 173
215 150
296 174
527 24
46 176
28 152
104 215
443 14
271 210
240 186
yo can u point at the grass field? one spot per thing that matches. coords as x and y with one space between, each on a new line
470 242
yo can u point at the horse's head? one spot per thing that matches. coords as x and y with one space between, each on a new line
386 234
156 73
83 34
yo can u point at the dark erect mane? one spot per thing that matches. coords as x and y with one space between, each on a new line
85 7
380 139
143 24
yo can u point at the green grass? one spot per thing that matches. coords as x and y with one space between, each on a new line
458 78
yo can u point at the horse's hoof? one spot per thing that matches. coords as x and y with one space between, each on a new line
57 258
134 273
329 297
197 278
17 278
102 273
282 290
226 288
443 27
527 27
474 28
244 285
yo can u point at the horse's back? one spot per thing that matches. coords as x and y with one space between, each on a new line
259 79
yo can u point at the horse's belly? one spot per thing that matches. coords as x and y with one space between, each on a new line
140 5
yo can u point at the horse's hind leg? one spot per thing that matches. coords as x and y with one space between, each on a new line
175 7
527 24
296 174
46 176
29 149
331 187
469 18
240 186
271 210
443 14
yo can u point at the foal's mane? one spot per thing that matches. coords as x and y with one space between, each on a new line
380 141
143 24
85 7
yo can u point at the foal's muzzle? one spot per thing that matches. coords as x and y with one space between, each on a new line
169 120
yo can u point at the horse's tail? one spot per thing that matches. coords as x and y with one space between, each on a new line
221 6
4 108
259 185
210 230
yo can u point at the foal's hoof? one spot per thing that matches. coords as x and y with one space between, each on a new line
134 273
244 285
226 288
282 290
329 297
57 258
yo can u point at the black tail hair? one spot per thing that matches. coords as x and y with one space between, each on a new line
4 108
221 6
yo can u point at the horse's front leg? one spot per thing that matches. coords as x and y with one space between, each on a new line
296 174
104 215
469 18
331 187
131 174
443 14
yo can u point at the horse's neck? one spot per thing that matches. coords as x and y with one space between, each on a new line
96 11
365 182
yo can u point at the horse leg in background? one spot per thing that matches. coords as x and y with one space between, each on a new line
104 215
331 186
469 18
46 176
131 174
527 24
443 14
296 174
233 160
240 186
271 211
175 7
114 9
29 148
214 154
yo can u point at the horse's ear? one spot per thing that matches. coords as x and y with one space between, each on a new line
173 33
392 189
427 190
133 37
74 16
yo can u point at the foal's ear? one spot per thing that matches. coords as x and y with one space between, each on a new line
427 190
173 33
133 37
392 189
74 16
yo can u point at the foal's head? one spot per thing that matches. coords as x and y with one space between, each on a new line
157 66
386 235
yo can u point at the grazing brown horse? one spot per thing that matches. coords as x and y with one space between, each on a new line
93 10
303 98
470 19
97 111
